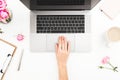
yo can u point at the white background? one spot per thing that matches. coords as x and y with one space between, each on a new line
43 66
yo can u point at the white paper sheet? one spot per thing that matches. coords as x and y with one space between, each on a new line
5 49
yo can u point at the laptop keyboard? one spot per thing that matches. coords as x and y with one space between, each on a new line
60 24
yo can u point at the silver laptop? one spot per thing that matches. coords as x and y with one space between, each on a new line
50 19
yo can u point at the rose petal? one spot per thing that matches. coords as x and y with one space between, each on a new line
4 15
20 37
105 60
2 4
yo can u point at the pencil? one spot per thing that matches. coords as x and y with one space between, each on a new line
20 61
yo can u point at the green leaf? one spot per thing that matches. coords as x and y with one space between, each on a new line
1 31
101 67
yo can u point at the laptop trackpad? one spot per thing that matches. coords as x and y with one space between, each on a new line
52 39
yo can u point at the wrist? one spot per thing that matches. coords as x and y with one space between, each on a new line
62 64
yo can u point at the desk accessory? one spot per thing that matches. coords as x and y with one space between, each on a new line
110 8
113 35
7 51
20 61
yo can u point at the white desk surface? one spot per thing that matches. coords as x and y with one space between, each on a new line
43 66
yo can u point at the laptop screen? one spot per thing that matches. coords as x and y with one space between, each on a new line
60 2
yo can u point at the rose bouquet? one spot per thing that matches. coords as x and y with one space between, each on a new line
5 13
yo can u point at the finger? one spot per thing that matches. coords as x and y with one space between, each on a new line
56 48
68 47
60 42
65 42
59 39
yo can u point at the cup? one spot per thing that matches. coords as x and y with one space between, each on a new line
113 36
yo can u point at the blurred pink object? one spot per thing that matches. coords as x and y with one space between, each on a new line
2 4
4 14
20 37
105 60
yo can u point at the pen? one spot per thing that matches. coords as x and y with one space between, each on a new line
5 65
21 55
6 62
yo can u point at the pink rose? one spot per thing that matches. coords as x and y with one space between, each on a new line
2 4
4 14
105 60
20 37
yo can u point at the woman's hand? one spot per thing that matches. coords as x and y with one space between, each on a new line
62 50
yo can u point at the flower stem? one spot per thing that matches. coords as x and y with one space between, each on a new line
108 68
114 68
111 65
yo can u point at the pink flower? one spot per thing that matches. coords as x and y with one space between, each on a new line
4 15
2 4
20 37
105 60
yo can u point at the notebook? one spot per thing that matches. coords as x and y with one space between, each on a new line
111 8
7 51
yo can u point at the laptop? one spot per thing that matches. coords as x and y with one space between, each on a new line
50 19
